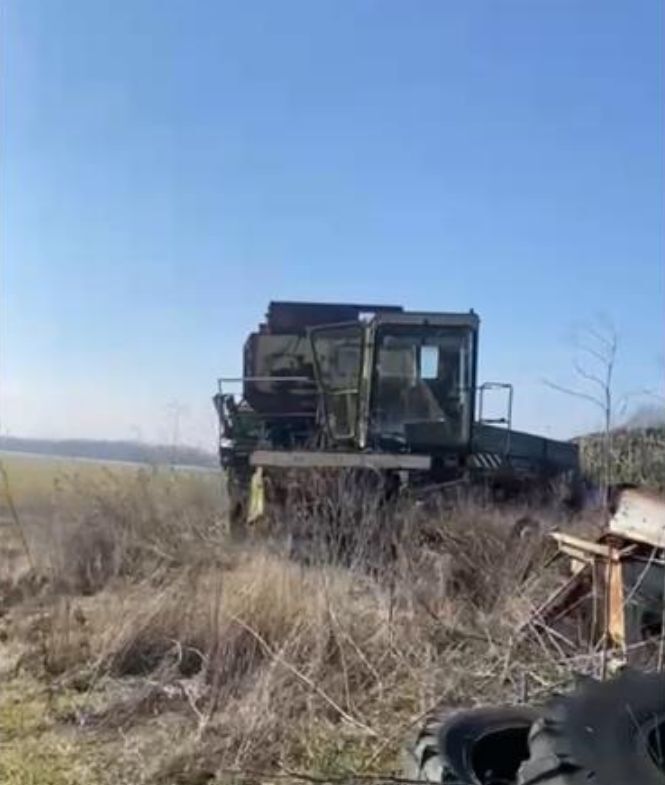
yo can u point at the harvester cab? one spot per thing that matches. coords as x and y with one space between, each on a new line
392 381
338 386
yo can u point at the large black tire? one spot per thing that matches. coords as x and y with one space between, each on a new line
475 747
422 760
238 480
605 733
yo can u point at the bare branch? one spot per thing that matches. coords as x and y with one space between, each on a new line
599 345
14 516
608 338
589 376
575 393
599 356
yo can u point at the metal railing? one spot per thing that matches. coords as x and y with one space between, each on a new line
506 420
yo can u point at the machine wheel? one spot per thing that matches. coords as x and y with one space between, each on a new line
237 491
237 521
475 747
608 733
422 760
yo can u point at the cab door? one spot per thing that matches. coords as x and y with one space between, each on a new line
338 361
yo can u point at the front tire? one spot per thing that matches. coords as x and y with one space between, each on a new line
237 493
482 746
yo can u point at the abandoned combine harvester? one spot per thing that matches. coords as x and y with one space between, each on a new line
377 390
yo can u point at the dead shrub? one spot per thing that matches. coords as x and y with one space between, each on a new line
131 526
92 554
335 517
164 627
282 651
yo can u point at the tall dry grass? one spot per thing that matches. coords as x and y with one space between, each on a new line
316 645
129 526
273 662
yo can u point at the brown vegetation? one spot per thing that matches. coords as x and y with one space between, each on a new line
179 657
637 456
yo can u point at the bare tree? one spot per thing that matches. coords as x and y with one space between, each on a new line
594 362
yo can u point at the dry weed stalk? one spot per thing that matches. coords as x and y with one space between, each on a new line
15 517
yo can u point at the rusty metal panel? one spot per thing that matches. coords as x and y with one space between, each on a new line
639 515
537 452
310 459
296 317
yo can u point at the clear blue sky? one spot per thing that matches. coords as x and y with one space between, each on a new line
169 166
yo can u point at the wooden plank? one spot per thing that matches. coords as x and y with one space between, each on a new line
616 623
577 547
315 459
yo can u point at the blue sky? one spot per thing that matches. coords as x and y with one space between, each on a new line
170 166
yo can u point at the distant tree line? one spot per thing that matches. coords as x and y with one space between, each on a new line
101 450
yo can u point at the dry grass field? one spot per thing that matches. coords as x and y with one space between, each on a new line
138 645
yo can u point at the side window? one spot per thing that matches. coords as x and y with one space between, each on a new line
429 362
397 359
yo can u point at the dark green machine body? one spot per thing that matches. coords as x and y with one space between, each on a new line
336 385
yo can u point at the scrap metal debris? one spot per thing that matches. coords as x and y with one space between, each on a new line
615 597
